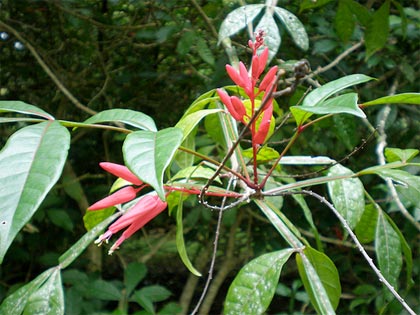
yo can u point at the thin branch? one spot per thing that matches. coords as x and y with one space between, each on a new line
359 246
47 70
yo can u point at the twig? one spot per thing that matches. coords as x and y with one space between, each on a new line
47 70
359 246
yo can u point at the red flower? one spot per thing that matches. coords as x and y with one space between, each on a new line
148 207
124 194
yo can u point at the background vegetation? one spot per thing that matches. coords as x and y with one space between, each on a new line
75 58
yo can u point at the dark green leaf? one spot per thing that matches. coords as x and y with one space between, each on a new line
360 11
103 290
133 274
126 116
377 30
366 227
254 286
60 218
23 108
155 293
30 164
344 21
294 27
238 19
321 280
204 51
93 218
347 195
185 43
310 4
388 250
147 154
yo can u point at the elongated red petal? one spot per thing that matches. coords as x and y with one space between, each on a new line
145 210
247 84
264 127
123 195
228 103
268 79
121 171
238 106
255 67
234 75
263 57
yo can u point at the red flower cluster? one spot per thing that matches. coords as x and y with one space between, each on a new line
248 81
145 209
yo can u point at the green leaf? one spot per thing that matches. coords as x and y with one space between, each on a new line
23 108
310 4
16 302
47 299
320 279
404 98
272 38
126 116
238 19
60 218
254 286
342 104
264 155
93 218
377 30
388 250
403 178
147 154
294 27
344 21
188 123
366 227
322 93
31 162
73 252
180 242
204 51
195 172
360 11
185 43
201 102
133 274
155 293
347 195
395 154
184 159
104 290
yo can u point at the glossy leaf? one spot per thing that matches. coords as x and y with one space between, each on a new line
254 286
294 27
188 123
377 30
48 299
322 93
73 252
16 302
147 154
366 227
401 178
321 280
388 250
196 172
126 116
347 195
342 104
404 98
395 154
264 154
31 162
272 38
180 242
23 108
238 19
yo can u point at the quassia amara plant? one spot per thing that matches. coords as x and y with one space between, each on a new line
249 172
